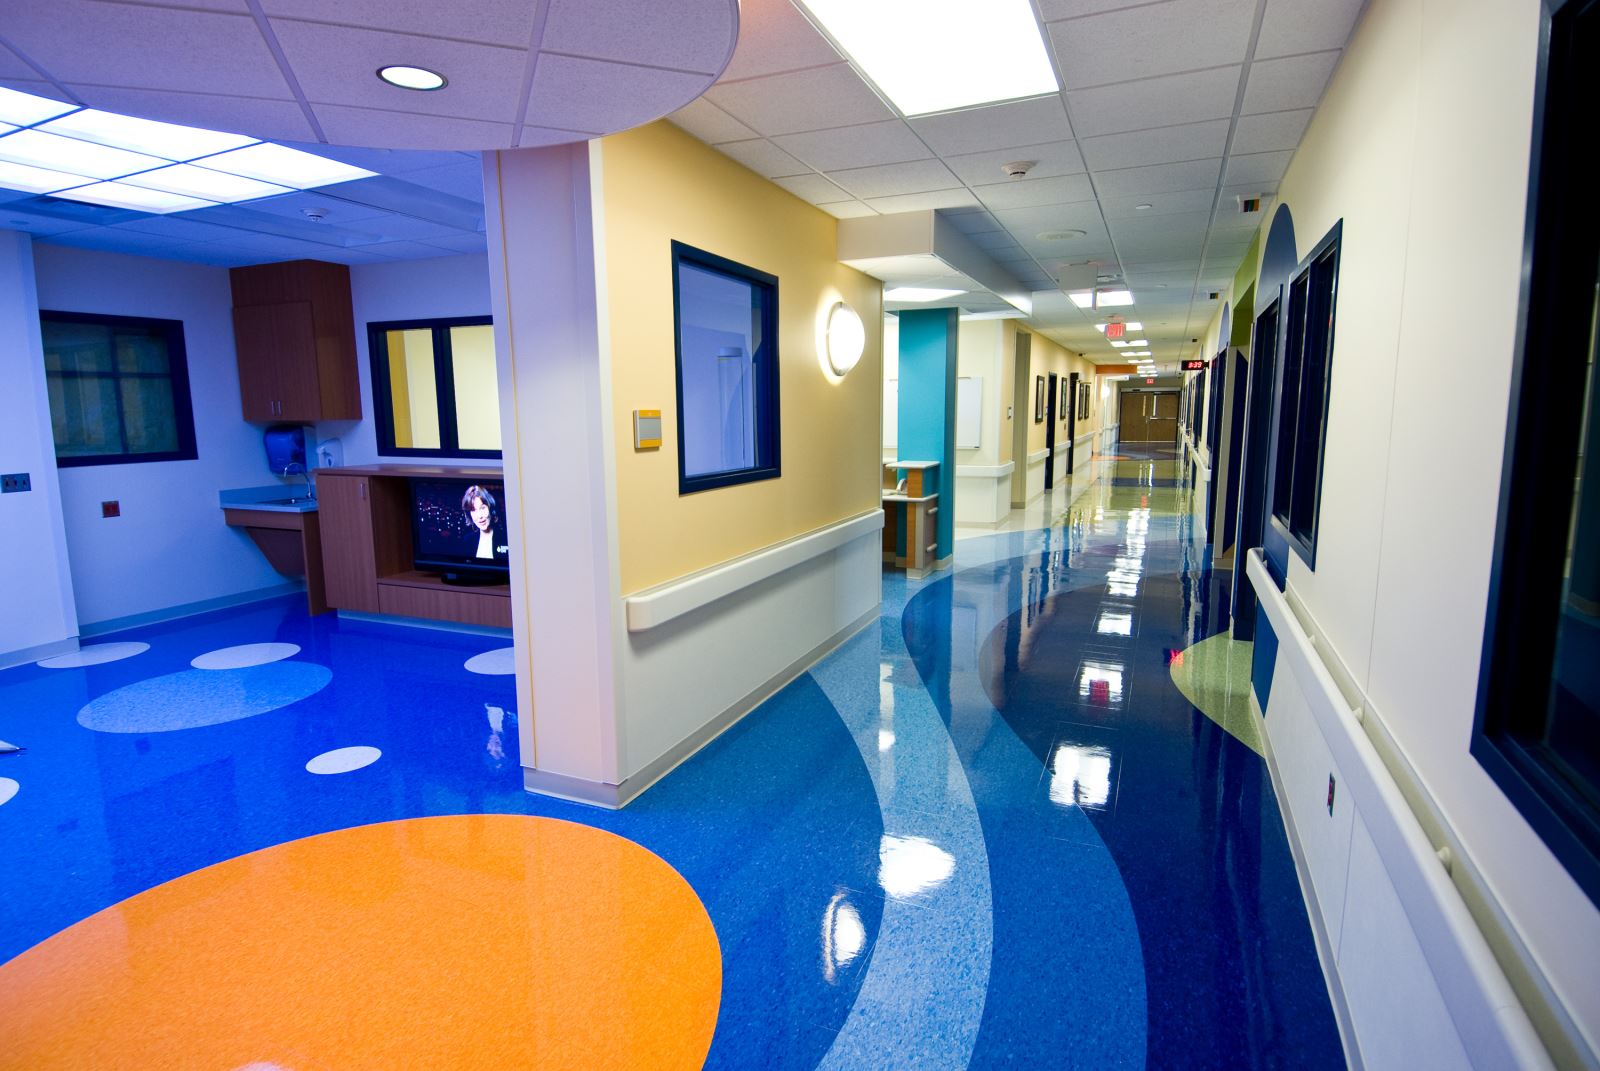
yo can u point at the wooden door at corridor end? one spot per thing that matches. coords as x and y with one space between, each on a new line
1148 417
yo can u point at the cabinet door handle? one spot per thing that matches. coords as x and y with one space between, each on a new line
363 486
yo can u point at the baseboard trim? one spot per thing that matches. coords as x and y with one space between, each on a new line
189 609
424 622
1319 928
615 797
22 656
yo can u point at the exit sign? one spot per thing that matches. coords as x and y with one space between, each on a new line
1149 381
1194 366
1114 330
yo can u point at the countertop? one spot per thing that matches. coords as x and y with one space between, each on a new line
274 498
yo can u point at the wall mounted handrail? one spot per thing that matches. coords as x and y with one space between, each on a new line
1494 1027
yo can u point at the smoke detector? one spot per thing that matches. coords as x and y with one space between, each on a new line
1018 168
316 213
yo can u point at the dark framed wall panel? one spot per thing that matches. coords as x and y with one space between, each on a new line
444 385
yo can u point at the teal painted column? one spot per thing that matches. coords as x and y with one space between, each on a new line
928 407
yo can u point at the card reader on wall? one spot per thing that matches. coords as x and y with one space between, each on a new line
286 448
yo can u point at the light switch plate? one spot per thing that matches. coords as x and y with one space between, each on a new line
647 429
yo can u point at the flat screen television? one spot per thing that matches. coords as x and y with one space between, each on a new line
458 529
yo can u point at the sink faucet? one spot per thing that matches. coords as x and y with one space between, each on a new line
293 467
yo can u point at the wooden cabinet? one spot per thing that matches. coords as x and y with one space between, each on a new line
294 332
366 549
349 559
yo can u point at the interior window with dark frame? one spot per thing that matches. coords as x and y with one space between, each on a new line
1304 379
119 389
1537 726
436 390
726 323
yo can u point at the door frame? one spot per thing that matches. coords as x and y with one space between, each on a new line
1254 487
1050 431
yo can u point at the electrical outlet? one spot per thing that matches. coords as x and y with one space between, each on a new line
111 509
15 481
1330 795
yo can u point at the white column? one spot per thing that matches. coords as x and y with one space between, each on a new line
545 258
38 616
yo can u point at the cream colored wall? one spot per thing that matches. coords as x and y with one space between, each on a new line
1050 357
661 185
978 354
1421 147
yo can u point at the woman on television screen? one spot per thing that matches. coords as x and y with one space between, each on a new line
484 539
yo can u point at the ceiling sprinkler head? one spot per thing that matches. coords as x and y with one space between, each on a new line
1018 168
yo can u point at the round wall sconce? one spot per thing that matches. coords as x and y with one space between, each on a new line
846 338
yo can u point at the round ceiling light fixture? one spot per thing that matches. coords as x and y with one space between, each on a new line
1142 208
846 338
1060 236
418 78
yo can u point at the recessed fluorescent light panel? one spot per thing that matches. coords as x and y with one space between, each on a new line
1084 299
1112 298
61 149
938 55
918 293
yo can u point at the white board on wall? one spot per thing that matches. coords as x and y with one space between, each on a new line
969 412
891 414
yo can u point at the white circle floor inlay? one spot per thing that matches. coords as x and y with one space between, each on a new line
8 788
496 663
246 654
95 654
343 760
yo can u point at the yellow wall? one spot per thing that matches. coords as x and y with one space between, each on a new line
1047 357
660 185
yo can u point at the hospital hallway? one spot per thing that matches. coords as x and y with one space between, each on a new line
1021 820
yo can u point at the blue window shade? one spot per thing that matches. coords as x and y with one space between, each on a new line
727 356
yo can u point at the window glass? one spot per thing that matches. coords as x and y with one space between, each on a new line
1313 397
477 388
727 396
118 388
413 391
1289 399
435 387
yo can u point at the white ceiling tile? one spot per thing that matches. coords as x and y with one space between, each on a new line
1151 102
848 209
404 250
1049 161
391 161
999 126
763 157
336 211
1026 222
1158 178
887 180
922 202
1270 131
1050 10
1167 144
157 48
274 120
972 221
698 37
11 66
774 37
996 241
813 99
463 180
535 137
374 127
1294 26
1163 38
1277 85
813 188
1161 204
710 123
174 229
1256 167
485 81
495 21
888 142
1029 193
570 93
461 243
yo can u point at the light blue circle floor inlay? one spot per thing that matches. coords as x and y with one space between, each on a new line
246 654
95 655
196 698
500 662
343 760
8 788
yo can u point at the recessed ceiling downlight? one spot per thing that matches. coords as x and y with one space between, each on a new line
1060 236
418 78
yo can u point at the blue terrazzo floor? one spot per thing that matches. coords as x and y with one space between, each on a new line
989 832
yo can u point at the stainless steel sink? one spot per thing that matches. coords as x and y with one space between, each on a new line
303 500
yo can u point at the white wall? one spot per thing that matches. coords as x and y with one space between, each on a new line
171 546
37 611
1421 147
406 290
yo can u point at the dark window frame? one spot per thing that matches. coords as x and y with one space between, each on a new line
443 380
1561 249
767 438
177 375
1296 342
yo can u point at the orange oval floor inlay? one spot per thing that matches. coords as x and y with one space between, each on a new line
476 941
